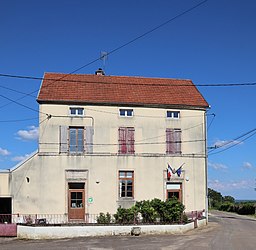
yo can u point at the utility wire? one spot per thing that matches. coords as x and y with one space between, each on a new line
140 143
136 84
112 51
17 91
20 104
233 145
233 142
21 120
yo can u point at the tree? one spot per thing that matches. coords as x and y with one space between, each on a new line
214 198
229 199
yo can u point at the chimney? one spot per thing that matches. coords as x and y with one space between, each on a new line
99 72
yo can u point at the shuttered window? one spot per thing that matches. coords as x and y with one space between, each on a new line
173 141
76 139
126 140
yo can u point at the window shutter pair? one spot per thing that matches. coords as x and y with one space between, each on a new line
126 140
173 141
64 140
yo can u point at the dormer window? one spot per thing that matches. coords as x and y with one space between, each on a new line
173 114
76 111
126 112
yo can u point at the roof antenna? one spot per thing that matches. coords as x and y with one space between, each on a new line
104 57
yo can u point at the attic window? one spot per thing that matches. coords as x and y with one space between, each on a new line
126 112
173 114
76 111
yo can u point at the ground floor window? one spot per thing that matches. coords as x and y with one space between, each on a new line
126 184
174 190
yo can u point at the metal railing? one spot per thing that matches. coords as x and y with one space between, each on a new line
89 219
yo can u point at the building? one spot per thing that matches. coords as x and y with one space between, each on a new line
107 141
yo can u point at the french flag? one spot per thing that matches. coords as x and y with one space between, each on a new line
169 172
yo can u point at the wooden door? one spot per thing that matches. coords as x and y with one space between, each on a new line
76 201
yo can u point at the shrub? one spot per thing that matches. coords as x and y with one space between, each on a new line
126 215
246 208
104 218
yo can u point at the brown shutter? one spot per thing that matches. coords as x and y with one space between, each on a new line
122 141
130 140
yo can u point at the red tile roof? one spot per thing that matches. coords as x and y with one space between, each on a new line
121 90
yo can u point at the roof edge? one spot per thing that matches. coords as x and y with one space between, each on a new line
149 105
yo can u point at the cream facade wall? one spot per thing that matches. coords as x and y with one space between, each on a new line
40 185
4 184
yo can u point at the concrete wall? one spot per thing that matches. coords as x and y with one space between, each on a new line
27 232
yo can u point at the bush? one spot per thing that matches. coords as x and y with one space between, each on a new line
154 211
126 215
104 218
246 208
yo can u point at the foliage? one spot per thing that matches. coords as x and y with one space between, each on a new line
227 203
104 218
152 211
214 198
126 215
246 208
229 199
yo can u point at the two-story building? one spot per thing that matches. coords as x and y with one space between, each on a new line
107 141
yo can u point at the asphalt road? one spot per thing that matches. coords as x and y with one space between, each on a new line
224 231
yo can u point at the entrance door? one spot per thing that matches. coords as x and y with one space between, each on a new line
76 201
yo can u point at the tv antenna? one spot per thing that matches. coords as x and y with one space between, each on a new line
104 57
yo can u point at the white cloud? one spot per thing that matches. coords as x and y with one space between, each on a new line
28 135
4 152
20 158
230 185
217 166
225 143
247 165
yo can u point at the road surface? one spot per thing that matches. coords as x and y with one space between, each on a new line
224 231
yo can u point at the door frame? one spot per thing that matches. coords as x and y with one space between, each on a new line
76 213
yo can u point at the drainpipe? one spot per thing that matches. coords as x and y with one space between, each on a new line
206 168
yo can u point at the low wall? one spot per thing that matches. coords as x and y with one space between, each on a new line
48 232
7 230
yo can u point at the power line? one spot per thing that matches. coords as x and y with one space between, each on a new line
139 143
17 91
18 120
239 142
116 49
136 84
146 116
233 142
20 104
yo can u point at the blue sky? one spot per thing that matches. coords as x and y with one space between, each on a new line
214 43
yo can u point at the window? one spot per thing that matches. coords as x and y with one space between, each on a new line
126 112
77 111
76 139
174 190
126 180
173 141
126 140
173 114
